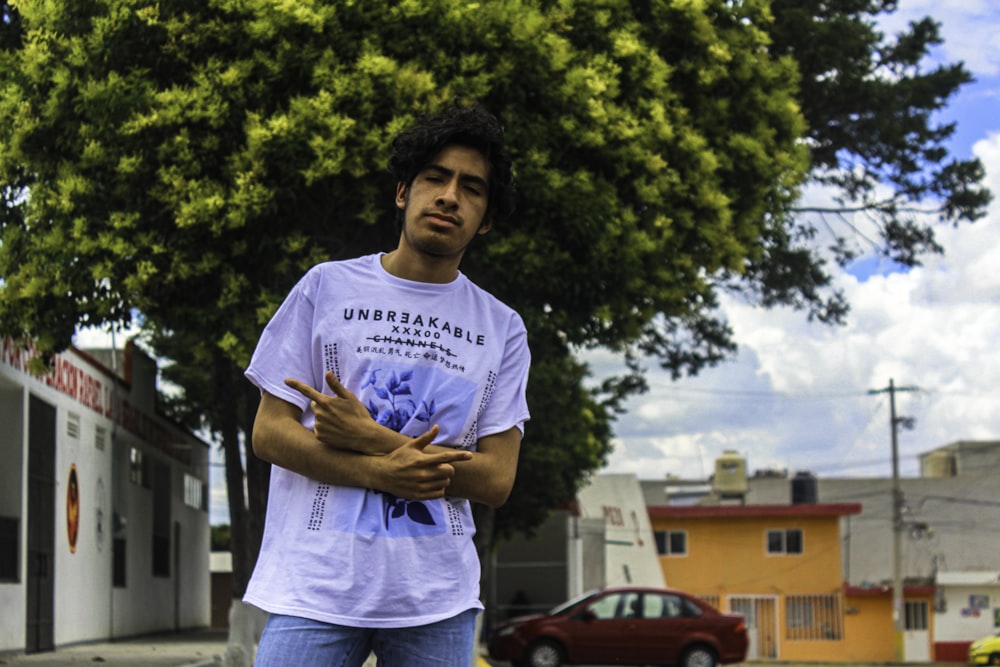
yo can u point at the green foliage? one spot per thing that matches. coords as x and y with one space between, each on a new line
220 537
870 106
188 160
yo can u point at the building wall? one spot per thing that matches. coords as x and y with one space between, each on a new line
630 551
966 611
868 628
727 560
711 568
12 477
99 422
950 523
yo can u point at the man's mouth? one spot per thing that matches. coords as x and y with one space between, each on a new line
443 217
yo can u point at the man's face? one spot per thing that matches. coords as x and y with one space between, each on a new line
445 205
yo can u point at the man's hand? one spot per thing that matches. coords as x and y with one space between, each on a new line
399 465
342 420
413 473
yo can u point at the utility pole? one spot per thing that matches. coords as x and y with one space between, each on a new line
897 517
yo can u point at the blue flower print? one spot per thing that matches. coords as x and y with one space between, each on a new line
395 411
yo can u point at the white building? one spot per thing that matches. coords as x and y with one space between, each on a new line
605 539
104 529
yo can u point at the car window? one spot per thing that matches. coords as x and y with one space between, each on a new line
631 606
606 607
572 602
692 610
661 606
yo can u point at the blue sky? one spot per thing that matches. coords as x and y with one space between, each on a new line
797 395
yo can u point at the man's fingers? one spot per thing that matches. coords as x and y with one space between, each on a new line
452 456
303 389
334 383
437 458
425 438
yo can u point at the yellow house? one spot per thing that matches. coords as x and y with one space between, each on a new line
781 567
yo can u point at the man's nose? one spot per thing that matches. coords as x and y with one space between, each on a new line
448 196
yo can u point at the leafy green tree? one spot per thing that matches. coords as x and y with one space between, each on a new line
869 102
220 537
188 160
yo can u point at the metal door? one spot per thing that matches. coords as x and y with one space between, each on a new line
760 613
40 603
916 638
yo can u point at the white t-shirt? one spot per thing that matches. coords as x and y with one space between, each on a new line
416 354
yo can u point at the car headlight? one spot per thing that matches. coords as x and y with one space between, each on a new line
506 631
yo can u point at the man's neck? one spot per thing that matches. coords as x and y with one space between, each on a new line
420 267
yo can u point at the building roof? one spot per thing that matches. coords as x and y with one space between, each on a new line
968 578
753 511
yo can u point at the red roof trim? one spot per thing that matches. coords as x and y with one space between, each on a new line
871 591
751 511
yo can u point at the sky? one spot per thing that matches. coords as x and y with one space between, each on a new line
797 396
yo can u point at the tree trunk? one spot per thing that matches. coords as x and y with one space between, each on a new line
484 517
258 473
246 516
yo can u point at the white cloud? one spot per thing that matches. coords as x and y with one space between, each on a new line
797 395
969 29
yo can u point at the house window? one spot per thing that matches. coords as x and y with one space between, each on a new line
671 542
138 468
916 615
100 437
73 425
194 492
788 541
813 617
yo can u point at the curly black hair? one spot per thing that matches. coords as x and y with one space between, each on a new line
471 126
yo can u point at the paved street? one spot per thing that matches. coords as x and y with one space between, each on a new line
191 649
205 648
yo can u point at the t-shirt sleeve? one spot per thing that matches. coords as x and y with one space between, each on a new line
285 347
509 406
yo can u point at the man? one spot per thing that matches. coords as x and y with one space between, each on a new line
392 395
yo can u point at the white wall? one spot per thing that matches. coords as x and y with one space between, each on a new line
961 620
87 606
12 473
630 548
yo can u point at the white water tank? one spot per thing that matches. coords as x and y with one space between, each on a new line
940 463
730 474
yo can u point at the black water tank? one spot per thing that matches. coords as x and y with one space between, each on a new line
804 488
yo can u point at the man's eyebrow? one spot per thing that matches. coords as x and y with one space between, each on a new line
464 177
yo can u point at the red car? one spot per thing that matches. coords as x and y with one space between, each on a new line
624 626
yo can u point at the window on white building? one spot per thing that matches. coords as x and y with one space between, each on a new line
73 425
194 492
916 614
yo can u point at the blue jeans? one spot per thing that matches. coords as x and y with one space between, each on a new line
289 640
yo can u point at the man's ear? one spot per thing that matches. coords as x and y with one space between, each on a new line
486 225
401 194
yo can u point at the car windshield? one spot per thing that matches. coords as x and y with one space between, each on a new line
572 602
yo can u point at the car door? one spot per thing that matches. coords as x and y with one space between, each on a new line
606 630
660 633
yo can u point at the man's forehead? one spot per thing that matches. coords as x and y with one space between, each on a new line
461 159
